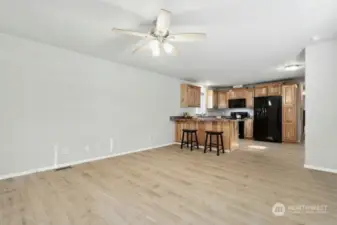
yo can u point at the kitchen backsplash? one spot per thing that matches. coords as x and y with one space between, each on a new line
227 112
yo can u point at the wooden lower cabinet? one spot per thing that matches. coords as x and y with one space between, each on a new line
248 128
289 132
289 114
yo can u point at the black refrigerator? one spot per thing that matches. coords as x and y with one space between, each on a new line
268 119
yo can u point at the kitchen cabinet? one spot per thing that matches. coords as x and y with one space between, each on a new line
236 93
180 125
289 113
250 98
189 96
231 94
289 94
222 100
248 128
212 99
289 132
261 91
275 89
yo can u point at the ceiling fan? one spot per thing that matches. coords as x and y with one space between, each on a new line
159 37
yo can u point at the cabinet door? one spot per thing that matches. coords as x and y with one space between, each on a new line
250 98
231 94
195 99
248 129
274 90
190 96
212 99
289 94
179 128
240 93
222 98
197 91
261 91
289 132
289 114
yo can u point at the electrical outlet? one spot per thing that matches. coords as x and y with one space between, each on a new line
86 148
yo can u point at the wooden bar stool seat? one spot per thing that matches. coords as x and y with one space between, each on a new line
189 138
219 146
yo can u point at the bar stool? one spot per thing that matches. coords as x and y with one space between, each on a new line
210 145
189 138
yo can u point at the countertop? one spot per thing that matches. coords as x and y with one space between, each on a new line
205 119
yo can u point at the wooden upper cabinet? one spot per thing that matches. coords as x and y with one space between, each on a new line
189 96
222 100
289 94
275 89
250 98
261 91
231 94
212 99
236 93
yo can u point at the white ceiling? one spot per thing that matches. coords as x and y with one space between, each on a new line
247 39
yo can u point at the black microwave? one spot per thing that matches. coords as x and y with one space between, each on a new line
237 103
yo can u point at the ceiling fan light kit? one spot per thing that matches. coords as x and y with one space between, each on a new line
160 37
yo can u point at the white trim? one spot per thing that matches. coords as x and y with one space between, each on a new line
12 175
320 168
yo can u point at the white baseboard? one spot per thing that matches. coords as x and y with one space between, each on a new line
320 168
12 175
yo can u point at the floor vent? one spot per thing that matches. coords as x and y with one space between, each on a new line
63 168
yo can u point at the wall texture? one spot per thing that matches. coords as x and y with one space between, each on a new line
321 108
59 106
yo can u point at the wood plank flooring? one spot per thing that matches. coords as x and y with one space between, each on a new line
171 186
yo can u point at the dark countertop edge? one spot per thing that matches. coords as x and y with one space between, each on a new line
207 120
181 118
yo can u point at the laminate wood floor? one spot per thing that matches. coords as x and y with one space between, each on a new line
171 186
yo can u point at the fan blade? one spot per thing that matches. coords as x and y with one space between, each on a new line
130 32
163 22
187 37
170 49
142 44
155 47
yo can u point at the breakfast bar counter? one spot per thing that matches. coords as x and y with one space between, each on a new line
228 127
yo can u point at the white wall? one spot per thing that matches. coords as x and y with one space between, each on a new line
54 99
321 106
